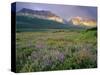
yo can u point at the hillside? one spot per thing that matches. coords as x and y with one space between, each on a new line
29 22
26 22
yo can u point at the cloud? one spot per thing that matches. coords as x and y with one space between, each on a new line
64 11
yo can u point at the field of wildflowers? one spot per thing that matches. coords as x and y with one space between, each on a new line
55 50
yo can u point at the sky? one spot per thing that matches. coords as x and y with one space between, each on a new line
64 11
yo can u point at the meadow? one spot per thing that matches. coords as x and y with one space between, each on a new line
56 50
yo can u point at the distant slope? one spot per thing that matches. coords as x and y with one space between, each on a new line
26 22
29 22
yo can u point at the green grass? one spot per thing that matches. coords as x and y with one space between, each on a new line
56 50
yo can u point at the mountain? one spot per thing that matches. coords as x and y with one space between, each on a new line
80 21
25 23
27 19
41 14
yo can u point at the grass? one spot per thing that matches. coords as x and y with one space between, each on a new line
56 50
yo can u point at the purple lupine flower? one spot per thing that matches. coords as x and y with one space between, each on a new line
61 57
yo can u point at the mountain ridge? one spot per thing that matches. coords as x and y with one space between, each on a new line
83 21
27 18
42 14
